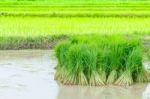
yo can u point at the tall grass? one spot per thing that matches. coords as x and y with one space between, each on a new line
100 60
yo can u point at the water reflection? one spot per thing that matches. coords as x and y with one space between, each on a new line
146 93
106 92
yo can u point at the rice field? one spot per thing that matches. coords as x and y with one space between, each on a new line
96 42
40 24
80 8
35 28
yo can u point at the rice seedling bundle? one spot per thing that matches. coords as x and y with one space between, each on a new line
99 60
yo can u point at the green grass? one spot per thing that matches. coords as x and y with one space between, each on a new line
100 60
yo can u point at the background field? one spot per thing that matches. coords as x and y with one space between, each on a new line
39 26
41 23
82 8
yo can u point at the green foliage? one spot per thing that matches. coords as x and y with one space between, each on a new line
98 60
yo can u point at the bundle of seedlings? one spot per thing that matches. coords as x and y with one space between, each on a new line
61 54
99 60
134 70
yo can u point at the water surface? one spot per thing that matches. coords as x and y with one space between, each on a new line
29 74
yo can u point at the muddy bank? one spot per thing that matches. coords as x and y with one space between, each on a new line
29 74
41 42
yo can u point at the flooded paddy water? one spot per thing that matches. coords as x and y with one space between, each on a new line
29 74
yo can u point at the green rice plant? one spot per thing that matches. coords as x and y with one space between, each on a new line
97 76
61 54
116 55
78 55
148 53
102 63
139 70
76 65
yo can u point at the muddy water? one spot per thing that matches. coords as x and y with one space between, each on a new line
29 74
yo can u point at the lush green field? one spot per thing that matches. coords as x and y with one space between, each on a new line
39 26
43 32
80 8
40 23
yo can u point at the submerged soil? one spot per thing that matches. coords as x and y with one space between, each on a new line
29 74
